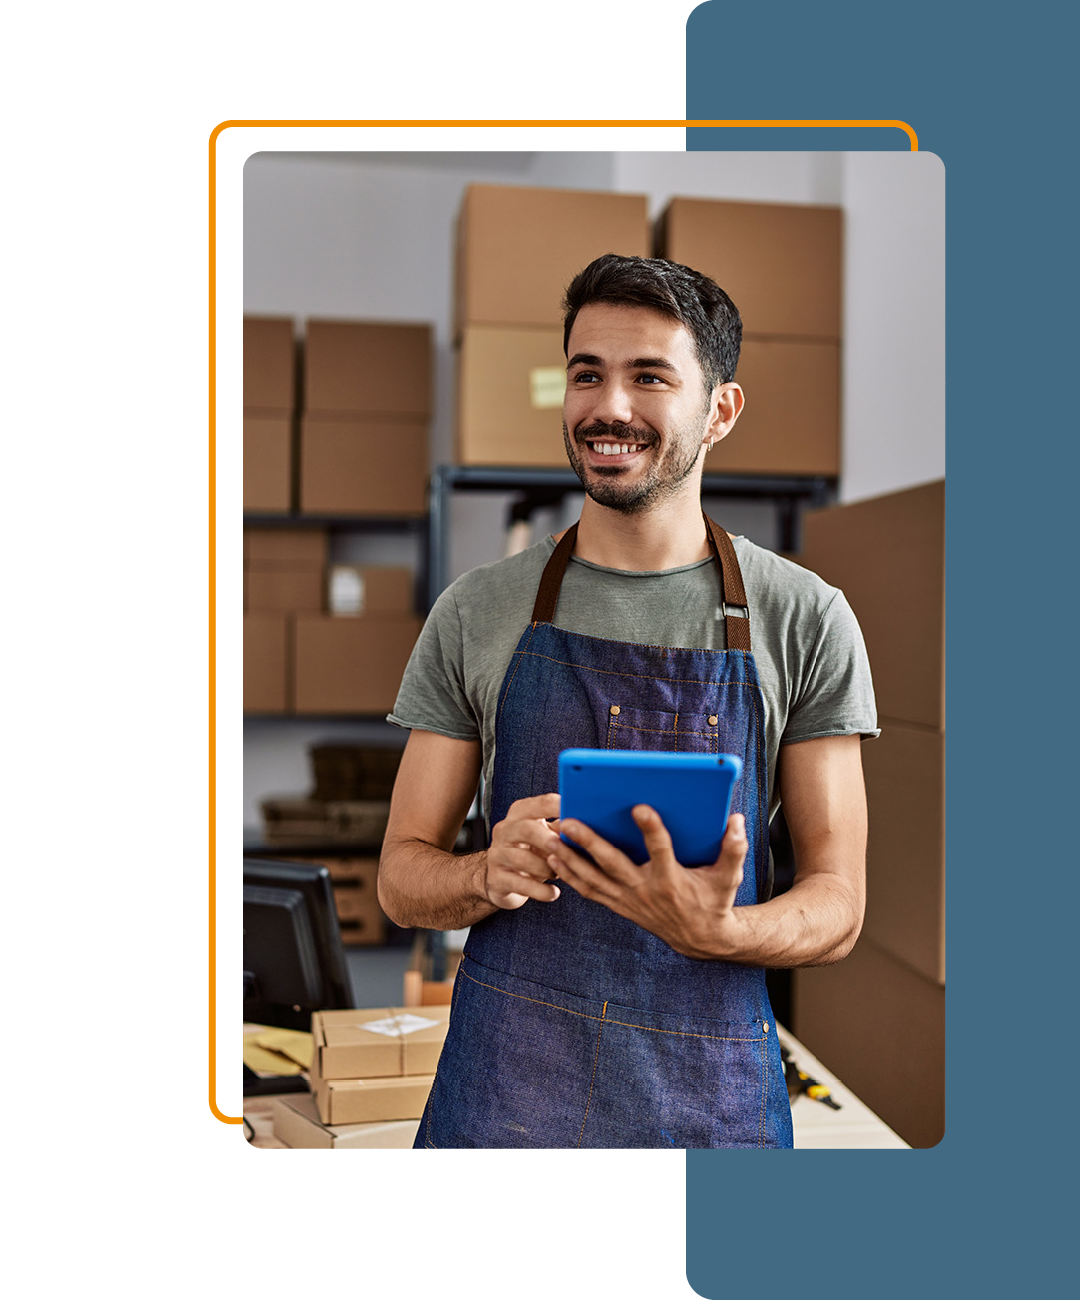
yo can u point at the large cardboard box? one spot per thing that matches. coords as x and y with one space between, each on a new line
369 367
905 791
377 1042
351 665
888 556
778 262
296 1123
268 462
790 423
284 591
510 392
880 1026
284 570
286 548
519 247
363 466
266 663
358 590
269 363
363 923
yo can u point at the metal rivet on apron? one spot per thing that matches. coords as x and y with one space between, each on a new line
713 720
614 710
765 1026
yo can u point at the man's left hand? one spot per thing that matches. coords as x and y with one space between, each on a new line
692 910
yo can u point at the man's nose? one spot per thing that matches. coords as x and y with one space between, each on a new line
614 404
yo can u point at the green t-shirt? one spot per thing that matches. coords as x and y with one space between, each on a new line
809 651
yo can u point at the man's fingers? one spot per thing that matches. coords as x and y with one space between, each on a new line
655 833
733 850
611 861
538 805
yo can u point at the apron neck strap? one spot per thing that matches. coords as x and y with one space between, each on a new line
732 591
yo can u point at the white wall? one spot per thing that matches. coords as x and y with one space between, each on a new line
311 222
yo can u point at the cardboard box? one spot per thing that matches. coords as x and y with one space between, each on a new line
296 1123
268 463
363 467
355 891
283 569
286 548
905 790
266 663
519 247
779 263
369 367
353 771
358 590
365 870
887 554
269 363
366 1101
362 919
378 1042
351 665
284 591
790 423
510 392
880 1026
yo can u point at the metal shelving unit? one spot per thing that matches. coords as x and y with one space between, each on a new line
789 494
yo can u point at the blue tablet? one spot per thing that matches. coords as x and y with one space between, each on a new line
691 792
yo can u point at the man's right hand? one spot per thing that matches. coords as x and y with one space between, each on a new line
516 867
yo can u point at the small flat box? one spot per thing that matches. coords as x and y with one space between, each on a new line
397 1045
297 1124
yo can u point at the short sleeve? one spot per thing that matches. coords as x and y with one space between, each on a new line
835 695
432 695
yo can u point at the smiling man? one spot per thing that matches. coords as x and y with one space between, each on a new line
600 1003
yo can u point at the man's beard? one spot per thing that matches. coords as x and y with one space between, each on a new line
662 480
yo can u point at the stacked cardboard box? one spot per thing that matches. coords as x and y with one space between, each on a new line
297 1124
283 574
284 570
363 923
376 1064
877 1018
269 412
367 407
354 663
517 250
298 659
781 265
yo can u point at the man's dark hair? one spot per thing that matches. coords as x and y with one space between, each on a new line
674 290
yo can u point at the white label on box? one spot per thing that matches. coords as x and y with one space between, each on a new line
396 1026
346 590
547 387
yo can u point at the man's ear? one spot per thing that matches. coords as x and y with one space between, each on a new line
724 407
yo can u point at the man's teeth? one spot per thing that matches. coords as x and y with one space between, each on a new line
616 448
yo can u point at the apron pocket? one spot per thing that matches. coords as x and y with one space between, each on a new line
683 733
670 1081
516 1068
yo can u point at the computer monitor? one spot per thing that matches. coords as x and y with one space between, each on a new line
294 960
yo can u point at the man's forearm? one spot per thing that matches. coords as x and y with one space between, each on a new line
421 885
815 923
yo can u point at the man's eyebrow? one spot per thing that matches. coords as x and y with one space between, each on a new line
639 363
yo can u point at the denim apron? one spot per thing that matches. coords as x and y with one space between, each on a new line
572 1026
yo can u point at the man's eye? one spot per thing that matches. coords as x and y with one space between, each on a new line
650 379
585 377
